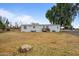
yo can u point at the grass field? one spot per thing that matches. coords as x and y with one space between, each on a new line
44 44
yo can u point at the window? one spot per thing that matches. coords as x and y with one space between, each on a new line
33 26
47 26
25 27
43 26
57 27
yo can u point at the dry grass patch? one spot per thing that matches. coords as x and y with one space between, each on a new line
43 43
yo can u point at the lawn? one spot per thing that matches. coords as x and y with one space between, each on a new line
44 43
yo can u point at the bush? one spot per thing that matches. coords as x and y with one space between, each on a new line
8 29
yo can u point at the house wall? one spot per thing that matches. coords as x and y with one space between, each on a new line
54 28
38 28
30 28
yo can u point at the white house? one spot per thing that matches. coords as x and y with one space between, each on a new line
40 28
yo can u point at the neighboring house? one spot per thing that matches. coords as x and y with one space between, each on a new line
40 28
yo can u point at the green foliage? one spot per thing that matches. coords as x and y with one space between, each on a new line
62 13
3 23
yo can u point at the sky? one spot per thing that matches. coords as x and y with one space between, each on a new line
26 13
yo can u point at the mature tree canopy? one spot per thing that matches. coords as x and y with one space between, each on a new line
62 13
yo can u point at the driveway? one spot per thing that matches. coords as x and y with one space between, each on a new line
72 32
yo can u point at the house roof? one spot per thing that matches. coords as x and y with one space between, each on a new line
40 25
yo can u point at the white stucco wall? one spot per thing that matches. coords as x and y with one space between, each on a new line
38 28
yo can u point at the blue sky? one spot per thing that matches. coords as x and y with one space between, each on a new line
28 13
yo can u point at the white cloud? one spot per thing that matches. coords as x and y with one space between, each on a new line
6 13
14 17
25 19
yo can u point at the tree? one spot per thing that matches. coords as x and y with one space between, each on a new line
63 14
7 25
2 25
16 25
